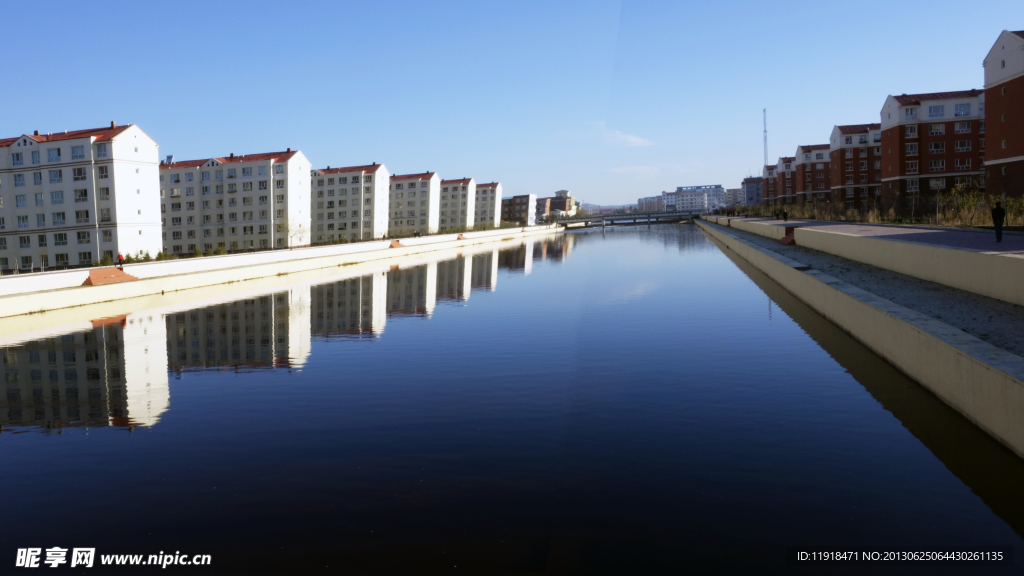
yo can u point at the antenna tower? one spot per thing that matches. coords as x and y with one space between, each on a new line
764 111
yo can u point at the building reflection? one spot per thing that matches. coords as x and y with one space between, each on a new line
114 371
113 374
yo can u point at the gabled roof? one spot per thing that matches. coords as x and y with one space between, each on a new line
1019 33
813 147
912 99
785 159
420 176
488 185
462 181
101 135
367 168
858 128
232 159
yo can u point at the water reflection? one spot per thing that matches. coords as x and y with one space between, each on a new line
991 470
114 371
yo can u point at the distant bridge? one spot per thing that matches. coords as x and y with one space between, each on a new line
631 218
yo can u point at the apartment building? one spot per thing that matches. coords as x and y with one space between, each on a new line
249 202
458 205
855 165
932 142
68 199
563 201
784 172
415 204
521 209
454 279
1004 115
650 204
543 210
693 199
769 183
813 180
753 190
412 290
349 203
487 207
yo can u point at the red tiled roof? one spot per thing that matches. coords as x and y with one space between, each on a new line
367 168
1019 33
462 181
275 156
905 99
420 176
101 134
488 185
858 128
787 159
814 147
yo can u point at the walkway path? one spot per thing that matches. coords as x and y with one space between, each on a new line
994 321
963 238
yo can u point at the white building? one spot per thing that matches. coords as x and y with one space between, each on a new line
70 198
487 209
349 203
692 200
257 201
458 204
414 207
715 194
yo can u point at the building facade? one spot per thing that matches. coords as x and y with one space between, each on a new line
487 208
768 184
415 204
250 202
691 199
521 209
458 205
753 190
1004 115
855 158
651 204
70 198
563 203
813 180
349 203
543 210
931 143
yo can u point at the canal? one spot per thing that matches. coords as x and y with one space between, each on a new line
628 401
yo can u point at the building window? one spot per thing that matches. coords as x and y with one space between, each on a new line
962 164
911 149
104 214
963 146
81 216
910 113
56 176
937 183
19 180
912 167
57 197
936 165
53 154
101 150
937 129
103 172
936 111
104 193
962 110
963 127
60 239
937 148
81 195
108 236
247 171
83 237
57 218
84 258
16 159
77 152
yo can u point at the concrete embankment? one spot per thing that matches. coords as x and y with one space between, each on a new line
981 381
33 293
907 250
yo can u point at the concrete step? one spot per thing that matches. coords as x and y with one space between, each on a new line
107 276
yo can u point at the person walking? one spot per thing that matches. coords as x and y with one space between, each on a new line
120 261
785 216
998 215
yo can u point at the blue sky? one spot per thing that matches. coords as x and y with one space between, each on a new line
612 100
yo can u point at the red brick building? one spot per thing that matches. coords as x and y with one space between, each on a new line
931 143
855 165
812 180
1004 115
768 184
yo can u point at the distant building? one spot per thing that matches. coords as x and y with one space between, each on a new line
487 207
856 164
651 204
349 203
715 197
734 196
521 209
458 203
813 177
414 204
543 211
768 184
692 199
564 201
752 190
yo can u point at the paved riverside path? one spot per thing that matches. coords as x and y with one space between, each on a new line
963 238
999 323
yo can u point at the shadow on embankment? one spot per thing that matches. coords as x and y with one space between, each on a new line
988 468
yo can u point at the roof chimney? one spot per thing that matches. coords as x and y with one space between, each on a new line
113 124
232 155
170 159
328 167
289 150
36 133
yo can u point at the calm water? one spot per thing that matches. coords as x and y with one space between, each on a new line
633 401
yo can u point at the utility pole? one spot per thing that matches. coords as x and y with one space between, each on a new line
764 111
